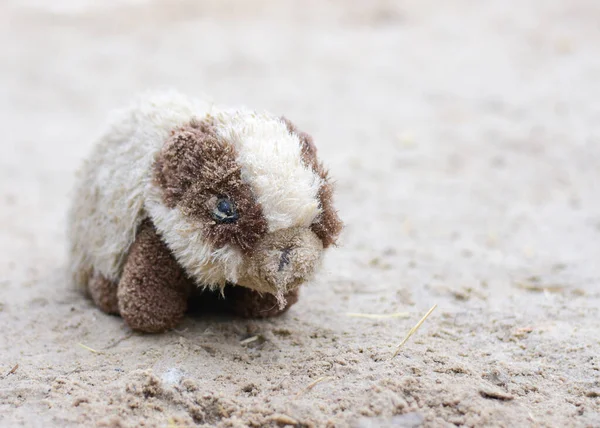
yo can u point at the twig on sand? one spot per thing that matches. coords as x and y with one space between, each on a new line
315 383
378 316
11 371
89 349
413 330
249 340
546 288
116 342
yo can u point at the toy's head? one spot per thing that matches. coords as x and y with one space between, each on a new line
241 198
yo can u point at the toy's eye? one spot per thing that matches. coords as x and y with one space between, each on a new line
225 211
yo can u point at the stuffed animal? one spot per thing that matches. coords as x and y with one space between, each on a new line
180 195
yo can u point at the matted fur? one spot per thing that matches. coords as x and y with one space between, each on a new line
195 169
116 191
111 193
271 159
328 225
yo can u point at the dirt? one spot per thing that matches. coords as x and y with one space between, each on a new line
465 141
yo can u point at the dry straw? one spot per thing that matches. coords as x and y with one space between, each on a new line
413 330
89 349
249 340
315 383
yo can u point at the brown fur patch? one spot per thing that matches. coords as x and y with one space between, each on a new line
328 225
153 290
104 294
309 150
251 304
195 169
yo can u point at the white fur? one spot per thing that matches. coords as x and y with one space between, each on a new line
115 190
209 266
272 164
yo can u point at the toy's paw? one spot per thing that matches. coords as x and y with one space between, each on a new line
153 291
250 304
104 294
155 312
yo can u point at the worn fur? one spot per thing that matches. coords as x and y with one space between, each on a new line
111 197
164 163
194 169
327 225
153 291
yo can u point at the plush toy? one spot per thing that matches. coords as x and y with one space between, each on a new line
180 195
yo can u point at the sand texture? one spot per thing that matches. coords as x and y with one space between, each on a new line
464 137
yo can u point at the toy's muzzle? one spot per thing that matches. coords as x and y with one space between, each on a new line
282 261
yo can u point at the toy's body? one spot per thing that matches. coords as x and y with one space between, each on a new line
180 194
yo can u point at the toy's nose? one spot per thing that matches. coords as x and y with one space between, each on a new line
283 260
289 257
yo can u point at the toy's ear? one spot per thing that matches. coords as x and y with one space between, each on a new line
309 150
308 146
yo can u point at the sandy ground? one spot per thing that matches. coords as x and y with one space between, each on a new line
465 140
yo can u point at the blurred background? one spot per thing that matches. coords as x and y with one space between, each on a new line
464 137
449 125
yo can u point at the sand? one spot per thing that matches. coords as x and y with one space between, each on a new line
464 137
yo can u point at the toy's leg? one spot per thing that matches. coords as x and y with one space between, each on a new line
250 304
153 289
104 294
